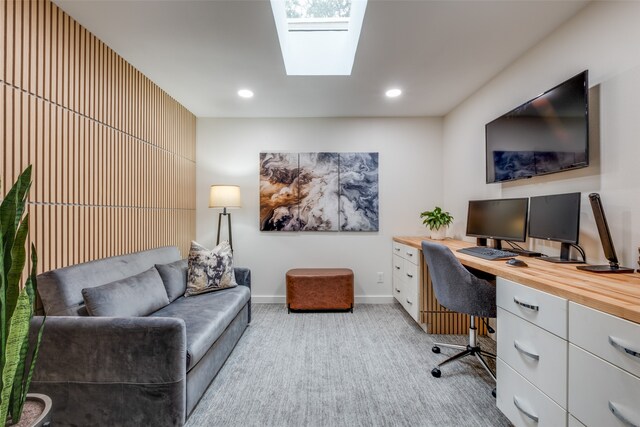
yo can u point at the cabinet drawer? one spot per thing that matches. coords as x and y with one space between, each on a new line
411 281
522 402
614 339
397 249
537 355
540 308
602 394
398 266
407 252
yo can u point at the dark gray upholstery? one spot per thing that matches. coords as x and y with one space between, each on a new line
61 290
174 277
455 287
137 295
113 371
132 371
206 316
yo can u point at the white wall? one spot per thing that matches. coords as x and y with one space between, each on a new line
410 180
603 38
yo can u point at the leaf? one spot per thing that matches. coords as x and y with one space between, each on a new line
18 330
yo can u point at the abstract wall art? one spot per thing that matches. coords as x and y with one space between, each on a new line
319 191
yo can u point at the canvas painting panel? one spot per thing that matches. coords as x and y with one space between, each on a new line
359 191
318 186
279 197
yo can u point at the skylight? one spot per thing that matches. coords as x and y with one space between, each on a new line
318 37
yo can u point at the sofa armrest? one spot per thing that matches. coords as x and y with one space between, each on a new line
139 350
243 276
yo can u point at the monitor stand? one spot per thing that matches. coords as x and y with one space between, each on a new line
611 268
482 241
564 256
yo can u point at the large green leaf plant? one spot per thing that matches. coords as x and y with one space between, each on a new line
16 302
436 218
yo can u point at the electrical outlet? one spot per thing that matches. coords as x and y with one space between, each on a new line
380 277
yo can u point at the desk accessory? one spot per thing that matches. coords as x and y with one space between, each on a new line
605 239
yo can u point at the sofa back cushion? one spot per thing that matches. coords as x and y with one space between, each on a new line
137 295
61 290
174 276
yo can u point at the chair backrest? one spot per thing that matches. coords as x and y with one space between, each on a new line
454 286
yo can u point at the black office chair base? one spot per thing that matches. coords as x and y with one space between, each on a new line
466 351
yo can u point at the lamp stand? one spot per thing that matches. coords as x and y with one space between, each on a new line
228 215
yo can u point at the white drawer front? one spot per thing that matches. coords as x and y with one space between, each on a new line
534 353
600 393
411 254
543 309
398 266
614 339
410 296
397 249
573 422
522 402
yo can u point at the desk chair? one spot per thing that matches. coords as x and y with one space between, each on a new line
458 290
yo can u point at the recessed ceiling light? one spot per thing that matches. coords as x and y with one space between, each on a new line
245 93
393 93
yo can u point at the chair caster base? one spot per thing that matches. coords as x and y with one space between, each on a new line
435 349
436 372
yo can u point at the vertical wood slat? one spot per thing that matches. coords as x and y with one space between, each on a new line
113 155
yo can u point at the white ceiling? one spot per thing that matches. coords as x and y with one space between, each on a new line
438 52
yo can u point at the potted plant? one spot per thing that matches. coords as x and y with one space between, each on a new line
17 302
437 220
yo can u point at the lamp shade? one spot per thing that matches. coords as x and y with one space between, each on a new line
224 196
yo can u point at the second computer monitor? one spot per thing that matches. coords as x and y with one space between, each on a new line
499 219
557 218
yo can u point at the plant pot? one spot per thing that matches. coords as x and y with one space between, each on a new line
36 411
439 234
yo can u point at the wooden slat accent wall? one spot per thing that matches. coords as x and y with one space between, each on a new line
113 155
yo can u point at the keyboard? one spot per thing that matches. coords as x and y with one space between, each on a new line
487 253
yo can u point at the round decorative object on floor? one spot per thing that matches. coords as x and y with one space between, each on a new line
36 411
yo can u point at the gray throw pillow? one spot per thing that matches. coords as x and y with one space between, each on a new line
210 270
174 277
137 295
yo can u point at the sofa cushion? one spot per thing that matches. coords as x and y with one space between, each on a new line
174 277
137 295
61 289
210 269
206 317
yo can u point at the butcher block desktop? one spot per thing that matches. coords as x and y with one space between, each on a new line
616 294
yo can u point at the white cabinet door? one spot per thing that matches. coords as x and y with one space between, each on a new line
614 339
601 394
536 354
540 308
523 403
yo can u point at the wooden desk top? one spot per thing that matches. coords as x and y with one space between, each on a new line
616 294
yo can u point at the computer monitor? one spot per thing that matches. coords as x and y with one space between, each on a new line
605 239
557 218
498 219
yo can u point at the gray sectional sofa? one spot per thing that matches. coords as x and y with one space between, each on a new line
141 368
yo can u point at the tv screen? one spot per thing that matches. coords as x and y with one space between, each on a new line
547 134
504 219
555 217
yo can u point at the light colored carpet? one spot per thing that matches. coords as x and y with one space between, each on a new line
371 367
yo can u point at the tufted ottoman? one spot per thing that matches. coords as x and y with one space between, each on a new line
320 289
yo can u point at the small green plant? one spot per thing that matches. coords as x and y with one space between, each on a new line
16 302
436 218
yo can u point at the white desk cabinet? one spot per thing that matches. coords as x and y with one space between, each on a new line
407 277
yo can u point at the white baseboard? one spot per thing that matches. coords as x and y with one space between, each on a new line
359 299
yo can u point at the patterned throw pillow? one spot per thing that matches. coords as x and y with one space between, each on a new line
210 269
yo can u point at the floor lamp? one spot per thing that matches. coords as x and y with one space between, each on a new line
225 197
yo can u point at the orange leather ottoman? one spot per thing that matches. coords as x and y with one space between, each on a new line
320 289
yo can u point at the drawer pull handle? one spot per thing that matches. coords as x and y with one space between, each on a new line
397 290
409 302
516 402
409 253
397 268
526 305
619 415
410 275
618 345
397 249
518 347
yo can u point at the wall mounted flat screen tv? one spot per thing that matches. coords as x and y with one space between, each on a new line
547 134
